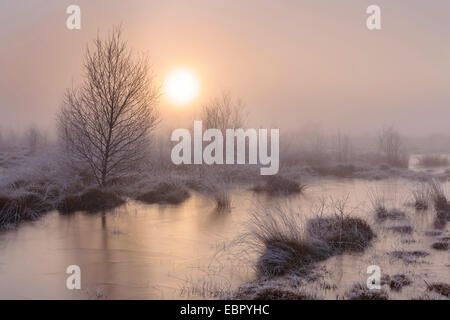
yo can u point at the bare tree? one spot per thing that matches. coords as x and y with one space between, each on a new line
33 137
343 147
223 112
390 144
106 122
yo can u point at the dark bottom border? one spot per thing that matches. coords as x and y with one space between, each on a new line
224 309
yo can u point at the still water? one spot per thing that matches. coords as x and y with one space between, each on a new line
169 252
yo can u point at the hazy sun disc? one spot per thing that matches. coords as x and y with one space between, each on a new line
181 86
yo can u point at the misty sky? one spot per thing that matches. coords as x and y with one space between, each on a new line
293 62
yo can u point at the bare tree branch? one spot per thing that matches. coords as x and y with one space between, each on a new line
223 113
106 122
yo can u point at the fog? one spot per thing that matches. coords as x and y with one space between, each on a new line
338 188
293 63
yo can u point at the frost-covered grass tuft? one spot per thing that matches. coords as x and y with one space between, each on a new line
22 207
438 195
341 233
379 205
398 281
223 200
421 196
170 192
286 244
277 234
409 256
440 287
402 229
286 288
277 185
92 201
360 291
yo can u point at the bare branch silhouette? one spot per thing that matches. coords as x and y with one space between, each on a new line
106 121
224 112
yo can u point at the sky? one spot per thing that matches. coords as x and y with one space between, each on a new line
293 63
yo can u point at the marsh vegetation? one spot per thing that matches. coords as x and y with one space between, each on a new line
106 195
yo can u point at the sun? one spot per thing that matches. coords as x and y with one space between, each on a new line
181 86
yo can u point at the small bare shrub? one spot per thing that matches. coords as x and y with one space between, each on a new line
390 144
33 138
224 112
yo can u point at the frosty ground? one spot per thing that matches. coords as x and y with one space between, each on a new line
291 256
